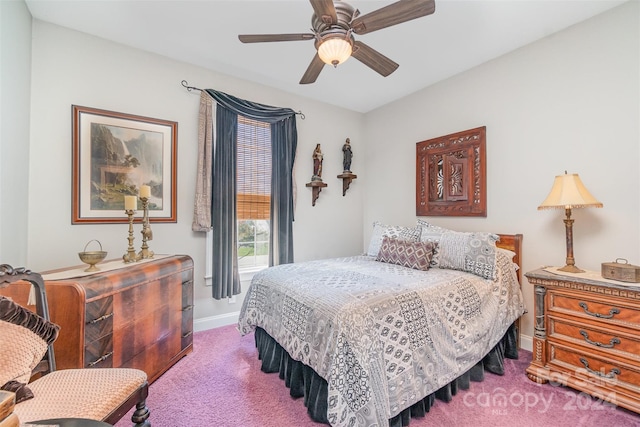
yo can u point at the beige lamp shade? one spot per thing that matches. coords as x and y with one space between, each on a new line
569 192
335 50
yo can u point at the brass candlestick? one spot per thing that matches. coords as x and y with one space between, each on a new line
130 256
147 234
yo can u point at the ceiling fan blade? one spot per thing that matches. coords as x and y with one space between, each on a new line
373 59
325 10
259 38
395 13
313 71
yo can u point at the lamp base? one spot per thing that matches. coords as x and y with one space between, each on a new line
571 269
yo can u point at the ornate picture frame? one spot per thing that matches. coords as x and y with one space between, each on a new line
451 175
113 155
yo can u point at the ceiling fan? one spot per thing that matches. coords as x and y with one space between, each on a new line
333 25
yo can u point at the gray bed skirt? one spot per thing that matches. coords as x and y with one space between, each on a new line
304 382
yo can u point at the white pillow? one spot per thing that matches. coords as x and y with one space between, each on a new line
471 252
432 233
380 231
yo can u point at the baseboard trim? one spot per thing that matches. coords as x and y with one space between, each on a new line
216 321
526 342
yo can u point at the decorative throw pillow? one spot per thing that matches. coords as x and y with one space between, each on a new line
398 231
432 233
416 255
471 252
24 337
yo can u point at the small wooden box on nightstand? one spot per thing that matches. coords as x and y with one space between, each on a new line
621 271
587 335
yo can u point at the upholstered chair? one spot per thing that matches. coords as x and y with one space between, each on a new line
27 364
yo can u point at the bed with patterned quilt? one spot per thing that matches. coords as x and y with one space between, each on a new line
372 340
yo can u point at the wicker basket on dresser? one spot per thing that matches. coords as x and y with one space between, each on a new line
587 336
140 316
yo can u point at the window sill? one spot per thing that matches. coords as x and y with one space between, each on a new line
246 274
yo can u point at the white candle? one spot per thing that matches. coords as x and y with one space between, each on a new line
130 203
145 191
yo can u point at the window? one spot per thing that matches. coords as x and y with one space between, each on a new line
253 192
253 176
253 243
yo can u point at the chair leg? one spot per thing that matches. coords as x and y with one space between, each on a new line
140 416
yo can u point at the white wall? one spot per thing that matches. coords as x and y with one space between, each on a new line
15 89
568 102
74 68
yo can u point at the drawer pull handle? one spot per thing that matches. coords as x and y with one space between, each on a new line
100 319
612 374
187 308
187 334
612 342
612 312
101 359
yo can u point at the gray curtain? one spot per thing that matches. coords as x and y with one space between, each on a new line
225 278
284 140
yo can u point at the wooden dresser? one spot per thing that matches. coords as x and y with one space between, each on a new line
587 336
140 316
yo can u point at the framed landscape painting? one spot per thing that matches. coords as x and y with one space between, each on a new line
113 155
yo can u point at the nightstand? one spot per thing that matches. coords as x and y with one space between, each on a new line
587 335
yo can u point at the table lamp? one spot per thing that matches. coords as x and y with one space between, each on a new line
569 192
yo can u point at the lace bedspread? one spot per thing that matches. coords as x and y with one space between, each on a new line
382 335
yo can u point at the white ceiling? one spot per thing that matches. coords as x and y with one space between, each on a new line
458 36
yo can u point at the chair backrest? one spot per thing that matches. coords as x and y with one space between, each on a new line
17 283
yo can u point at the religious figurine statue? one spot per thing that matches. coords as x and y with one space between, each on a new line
317 164
347 156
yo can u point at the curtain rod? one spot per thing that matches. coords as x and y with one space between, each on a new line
185 84
189 88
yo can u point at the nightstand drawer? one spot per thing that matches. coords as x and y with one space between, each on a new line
594 369
594 338
606 310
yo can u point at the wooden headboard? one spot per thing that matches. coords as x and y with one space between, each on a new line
513 242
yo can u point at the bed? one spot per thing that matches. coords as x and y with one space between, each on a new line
371 343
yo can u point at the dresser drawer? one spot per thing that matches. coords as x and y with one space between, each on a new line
98 319
596 338
147 342
605 310
99 353
597 369
187 313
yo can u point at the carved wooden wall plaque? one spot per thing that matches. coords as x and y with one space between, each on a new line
451 175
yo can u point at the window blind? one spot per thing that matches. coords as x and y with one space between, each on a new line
253 169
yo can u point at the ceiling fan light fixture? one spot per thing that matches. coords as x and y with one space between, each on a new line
335 50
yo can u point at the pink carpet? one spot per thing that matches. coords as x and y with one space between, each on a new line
220 384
